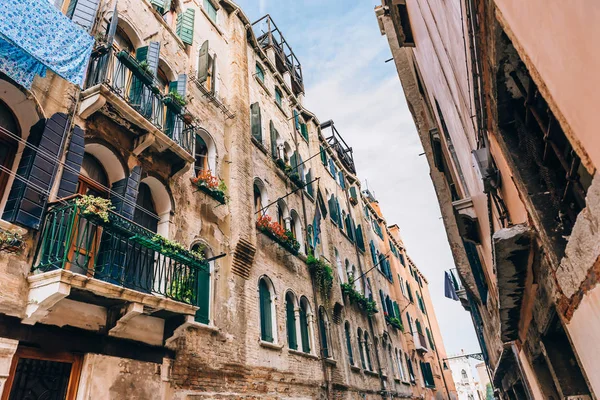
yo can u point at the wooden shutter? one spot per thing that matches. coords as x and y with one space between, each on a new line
323 329
125 192
182 85
304 330
309 185
430 338
294 161
185 26
161 5
296 120
397 311
213 80
349 345
353 193
266 325
152 56
341 179
26 203
323 155
273 140
255 122
203 296
383 303
359 238
112 27
203 62
291 324
304 131
332 167
83 13
73 160
360 350
409 322
373 254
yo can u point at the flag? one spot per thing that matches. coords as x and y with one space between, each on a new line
449 288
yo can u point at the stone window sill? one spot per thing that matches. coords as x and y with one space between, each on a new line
260 146
372 373
303 354
331 361
206 327
269 345
407 383
355 368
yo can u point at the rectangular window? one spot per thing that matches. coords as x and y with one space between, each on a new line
260 73
278 97
211 10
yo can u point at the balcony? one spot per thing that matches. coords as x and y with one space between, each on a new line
337 143
110 276
459 288
121 81
420 342
269 36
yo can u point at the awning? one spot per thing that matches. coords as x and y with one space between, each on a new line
35 36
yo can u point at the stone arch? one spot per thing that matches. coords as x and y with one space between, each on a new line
116 169
163 203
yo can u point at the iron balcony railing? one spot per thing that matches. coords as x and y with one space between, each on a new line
128 79
119 251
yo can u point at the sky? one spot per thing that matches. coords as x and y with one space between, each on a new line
346 79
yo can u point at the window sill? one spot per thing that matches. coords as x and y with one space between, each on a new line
260 146
397 379
262 84
206 327
308 195
7 226
330 361
371 373
407 383
213 23
281 109
269 345
303 354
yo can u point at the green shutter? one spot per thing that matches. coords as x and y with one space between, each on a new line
273 140
294 161
159 5
309 185
296 120
255 122
430 339
291 325
409 322
349 344
266 325
202 315
373 254
397 311
359 238
323 329
323 155
71 8
304 330
185 26
353 193
304 131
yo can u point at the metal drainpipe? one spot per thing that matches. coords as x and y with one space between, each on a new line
314 288
436 348
364 279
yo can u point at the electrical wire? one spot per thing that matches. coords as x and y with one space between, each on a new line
52 158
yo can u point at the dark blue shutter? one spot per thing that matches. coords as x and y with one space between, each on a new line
27 201
83 13
70 174
124 193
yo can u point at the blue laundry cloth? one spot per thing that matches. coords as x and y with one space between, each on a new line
34 35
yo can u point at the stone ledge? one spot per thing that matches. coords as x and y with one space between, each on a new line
303 354
271 346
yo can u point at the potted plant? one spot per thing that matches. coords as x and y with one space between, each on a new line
278 233
211 185
141 70
11 242
175 102
323 275
94 207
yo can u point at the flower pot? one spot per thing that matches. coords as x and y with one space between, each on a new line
134 66
173 104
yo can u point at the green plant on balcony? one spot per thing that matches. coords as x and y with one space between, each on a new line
211 185
323 275
295 177
395 322
171 248
94 207
355 297
11 242
141 70
278 233
175 101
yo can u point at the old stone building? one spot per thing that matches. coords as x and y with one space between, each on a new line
177 225
502 93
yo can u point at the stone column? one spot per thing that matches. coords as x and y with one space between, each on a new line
8 347
288 223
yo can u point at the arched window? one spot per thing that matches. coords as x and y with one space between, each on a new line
267 310
324 329
368 351
296 228
305 324
205 153
359 337
400 363
290 314
260 197
338 263
203 315
8 145
349 342
201 155
310 239
145 212
93 179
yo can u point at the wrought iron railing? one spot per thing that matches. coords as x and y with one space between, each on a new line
128 79
119 251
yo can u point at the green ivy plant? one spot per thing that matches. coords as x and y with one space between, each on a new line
144 66
355 297
178 98
323 274
173 247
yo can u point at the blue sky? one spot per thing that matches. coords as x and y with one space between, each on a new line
346 79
